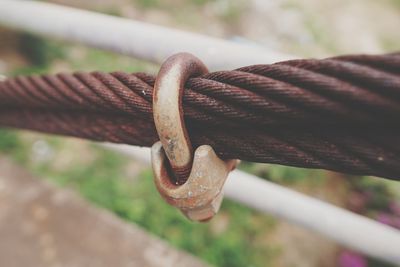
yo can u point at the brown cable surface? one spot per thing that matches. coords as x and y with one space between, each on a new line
340 113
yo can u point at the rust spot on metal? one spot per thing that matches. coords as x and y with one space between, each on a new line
168 113
200 197
195 185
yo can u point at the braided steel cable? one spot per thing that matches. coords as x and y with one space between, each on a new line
339 114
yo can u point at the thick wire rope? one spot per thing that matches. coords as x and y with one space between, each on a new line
339 114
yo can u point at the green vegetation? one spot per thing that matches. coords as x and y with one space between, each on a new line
42 54
319 34
232 12
39 51
286 175
235 238
8 141
396 3
146 4
391 44
169 5
100 60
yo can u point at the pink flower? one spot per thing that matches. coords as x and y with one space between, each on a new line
384 218
351 259
395 208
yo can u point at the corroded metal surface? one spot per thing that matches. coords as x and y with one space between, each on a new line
340 114
168 113
200 197
192 183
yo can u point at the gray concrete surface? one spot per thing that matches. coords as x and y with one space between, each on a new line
42 225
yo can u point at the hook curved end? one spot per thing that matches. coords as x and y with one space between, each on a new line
200 197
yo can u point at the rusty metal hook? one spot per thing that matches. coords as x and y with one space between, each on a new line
199 179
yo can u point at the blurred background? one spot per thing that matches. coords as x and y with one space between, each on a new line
238 236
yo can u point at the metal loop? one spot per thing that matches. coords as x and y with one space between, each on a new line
197 191
168 113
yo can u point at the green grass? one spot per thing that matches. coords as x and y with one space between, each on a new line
43 53
147 4
39 51
285 174
100 60
390 44
233 12
10 143
396 3
169 5
236 237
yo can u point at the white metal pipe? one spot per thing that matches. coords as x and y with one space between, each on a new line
349 229
141 40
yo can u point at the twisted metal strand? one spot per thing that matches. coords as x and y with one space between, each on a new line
340 114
